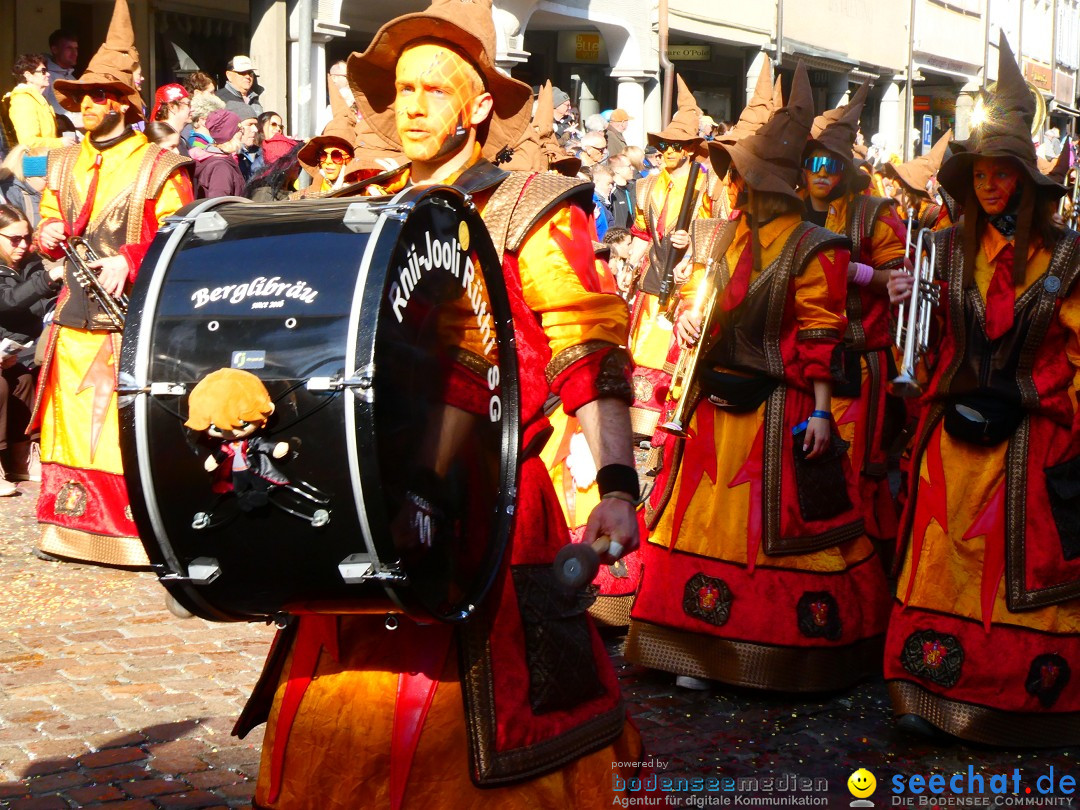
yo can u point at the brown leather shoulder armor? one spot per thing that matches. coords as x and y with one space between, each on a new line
705 236
523 198
806 241
864 213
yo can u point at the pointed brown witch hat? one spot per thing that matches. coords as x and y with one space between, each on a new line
1058 171
465 25
373 153
916 174
684 124
835 131
771 158
1005 132
340 131
111 68
758 109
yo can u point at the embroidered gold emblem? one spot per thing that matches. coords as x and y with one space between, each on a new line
71 500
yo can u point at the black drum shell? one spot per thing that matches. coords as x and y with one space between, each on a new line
352 444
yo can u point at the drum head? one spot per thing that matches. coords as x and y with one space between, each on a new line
437 431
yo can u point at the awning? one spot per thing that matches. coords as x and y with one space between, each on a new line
1063 109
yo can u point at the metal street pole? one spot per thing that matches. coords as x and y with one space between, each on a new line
909 100
986 45
665 63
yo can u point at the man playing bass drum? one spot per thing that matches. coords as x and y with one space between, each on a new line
459 716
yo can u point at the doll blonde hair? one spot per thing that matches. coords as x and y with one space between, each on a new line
227 398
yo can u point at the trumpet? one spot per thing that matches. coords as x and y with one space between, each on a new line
81 255
913 331
683 374
908 244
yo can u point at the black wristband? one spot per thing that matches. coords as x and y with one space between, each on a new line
618 478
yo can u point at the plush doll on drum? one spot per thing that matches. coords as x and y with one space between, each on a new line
232 407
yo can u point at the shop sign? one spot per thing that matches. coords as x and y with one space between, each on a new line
922 103
1038 75
689 53
582 47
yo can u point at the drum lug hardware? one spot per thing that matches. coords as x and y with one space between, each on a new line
201 571
210 226
358 568
364 381
392 622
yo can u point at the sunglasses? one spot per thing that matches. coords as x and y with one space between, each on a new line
44 71
18 239
830 164
99 96
273 125
334 155
663 146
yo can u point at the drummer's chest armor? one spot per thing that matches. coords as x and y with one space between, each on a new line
1003 366
119 221
748 336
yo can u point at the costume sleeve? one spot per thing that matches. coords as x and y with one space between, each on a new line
50 212
820 291
175 194
887 240
586 329
27 124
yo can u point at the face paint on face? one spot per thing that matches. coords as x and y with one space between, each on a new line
437 92
674 157
995 180
822 183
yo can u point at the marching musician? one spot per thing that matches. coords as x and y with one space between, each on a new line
985 629
113 190
497 710
659 202
757 571
915 179
833 186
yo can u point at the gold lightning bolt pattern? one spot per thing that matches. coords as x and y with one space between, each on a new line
101 378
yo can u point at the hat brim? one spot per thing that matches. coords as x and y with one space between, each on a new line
760 175
901 175
955 176
309 154
69 93
371 75
681 136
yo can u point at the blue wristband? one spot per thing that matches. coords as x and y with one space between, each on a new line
820 415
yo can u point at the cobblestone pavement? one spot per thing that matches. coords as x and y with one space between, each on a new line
108 700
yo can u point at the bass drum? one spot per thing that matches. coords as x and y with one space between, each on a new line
385 478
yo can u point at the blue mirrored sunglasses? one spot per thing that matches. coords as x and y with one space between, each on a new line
832 165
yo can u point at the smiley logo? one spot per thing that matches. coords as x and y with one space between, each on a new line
862 783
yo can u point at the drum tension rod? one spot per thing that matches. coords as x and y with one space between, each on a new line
157 389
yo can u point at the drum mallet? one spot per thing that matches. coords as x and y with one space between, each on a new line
577 564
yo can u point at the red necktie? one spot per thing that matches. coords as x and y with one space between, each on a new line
88 206
740 280
1000 297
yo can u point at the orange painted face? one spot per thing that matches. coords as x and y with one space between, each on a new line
437 97
823 182
996 180
96 107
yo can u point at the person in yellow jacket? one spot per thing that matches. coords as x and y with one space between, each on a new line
32 119
113 190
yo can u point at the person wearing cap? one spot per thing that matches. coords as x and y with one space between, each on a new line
217 171
833 188
114 189
241 84
659 201
757 572
915 179
616 126
985 629
248 156
172 105
564 119
397 716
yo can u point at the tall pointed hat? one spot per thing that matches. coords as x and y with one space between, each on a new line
555 157
1005 132
758 109
111 68
340 131
468 27
835 131
916 174
771 158
684 123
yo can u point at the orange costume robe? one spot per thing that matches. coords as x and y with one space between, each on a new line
985 630
738 585
365 716
83 506
650 334
860 403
